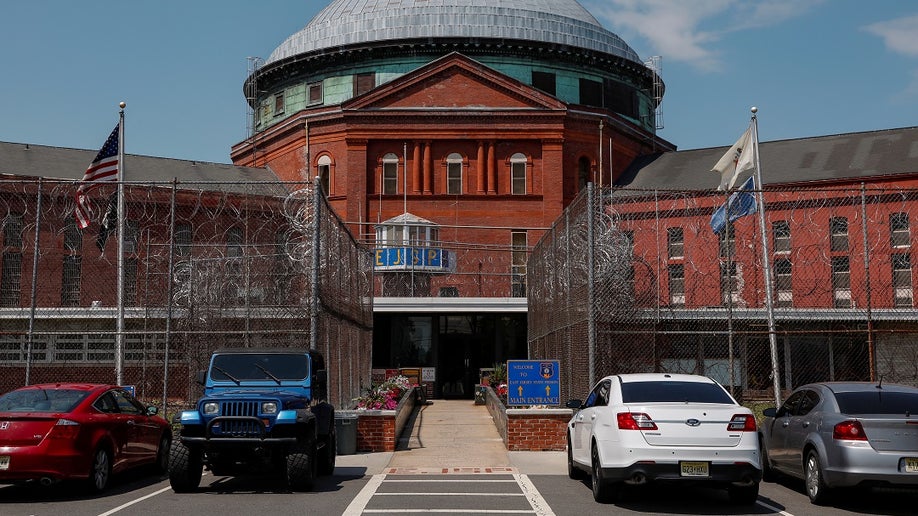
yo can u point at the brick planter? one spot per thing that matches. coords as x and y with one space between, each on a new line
529 429
378 430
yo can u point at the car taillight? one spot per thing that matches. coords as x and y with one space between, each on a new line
742 423
849 431
64 429
635 421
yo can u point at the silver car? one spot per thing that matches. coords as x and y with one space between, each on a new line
843 434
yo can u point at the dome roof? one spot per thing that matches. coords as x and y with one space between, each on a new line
355 22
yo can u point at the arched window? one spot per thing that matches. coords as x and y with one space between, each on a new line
583 173
324 173
518 174
390 174
454 174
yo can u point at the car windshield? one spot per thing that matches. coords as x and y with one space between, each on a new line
877 402
673 391
42 400
255 366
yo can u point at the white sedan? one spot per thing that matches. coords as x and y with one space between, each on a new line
660 427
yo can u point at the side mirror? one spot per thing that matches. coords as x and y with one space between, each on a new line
574 404
152 411
200 376
770 412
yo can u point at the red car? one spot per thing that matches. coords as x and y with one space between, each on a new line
53 432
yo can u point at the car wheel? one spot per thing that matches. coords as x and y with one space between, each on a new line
744 495
768 473
814 479
326 457
301 467
572 470
100 471
603 490
162 454
185 468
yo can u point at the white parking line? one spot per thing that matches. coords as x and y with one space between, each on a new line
536 501
138 500
772 508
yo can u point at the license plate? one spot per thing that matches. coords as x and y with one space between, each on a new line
694 469
4 462
911 465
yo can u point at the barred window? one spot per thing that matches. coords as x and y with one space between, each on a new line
838 228
324 173
675 242
314 93
898 230
70 281
12 231
729 284
727 239
841 281
11 279
73 237
902 280
783 288
234 242
781 231
677 284
183 239
518 268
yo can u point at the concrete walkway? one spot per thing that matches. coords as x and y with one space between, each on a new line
454 436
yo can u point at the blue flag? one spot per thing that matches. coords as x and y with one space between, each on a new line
739 204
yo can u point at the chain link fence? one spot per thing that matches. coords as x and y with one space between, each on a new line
633 281
205 266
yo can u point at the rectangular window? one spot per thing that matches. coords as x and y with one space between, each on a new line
130 281
518 177
390 177
325 177
621 98
677 284
234 243
131 233
590 92
12 231
544 81
314 94
784 292
518 260
729 284
838 228
73 237
279 104
182 240
363 83
675 243
70 281
902 279
454 178
898 230
11 279
727 239
781 231
841 282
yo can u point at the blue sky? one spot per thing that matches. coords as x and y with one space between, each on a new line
812 67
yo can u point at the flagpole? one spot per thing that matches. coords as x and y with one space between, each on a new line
766 261
119 330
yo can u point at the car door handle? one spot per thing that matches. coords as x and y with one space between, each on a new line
785 424
593 417
580 418
806 424
131 422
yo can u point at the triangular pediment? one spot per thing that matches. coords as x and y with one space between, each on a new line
454 82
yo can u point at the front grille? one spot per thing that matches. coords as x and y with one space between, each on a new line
239 408
242 427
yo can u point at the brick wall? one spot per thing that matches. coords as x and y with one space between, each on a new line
378 430
529 429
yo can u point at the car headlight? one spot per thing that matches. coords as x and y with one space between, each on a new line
211 408
269 407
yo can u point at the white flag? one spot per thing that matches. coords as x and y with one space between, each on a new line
737 160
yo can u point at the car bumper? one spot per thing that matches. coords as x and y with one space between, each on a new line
854 466
644 472
30 466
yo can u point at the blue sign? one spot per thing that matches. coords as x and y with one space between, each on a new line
533 382
412 258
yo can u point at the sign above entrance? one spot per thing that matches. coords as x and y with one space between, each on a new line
533 382
413 259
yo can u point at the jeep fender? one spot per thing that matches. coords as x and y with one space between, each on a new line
325 418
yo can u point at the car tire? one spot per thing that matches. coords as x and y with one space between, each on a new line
185 468
326 456
744 495
603 490
768 473
100 470
572 470
162 454
814 479
301 467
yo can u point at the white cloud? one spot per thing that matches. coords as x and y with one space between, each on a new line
689 31
899 35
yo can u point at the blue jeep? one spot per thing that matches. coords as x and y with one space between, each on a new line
262 413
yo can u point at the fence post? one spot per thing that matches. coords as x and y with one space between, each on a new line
34 302
871 359
591 264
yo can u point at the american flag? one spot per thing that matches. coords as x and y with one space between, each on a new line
102 169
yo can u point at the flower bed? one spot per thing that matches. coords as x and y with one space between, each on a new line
382 413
